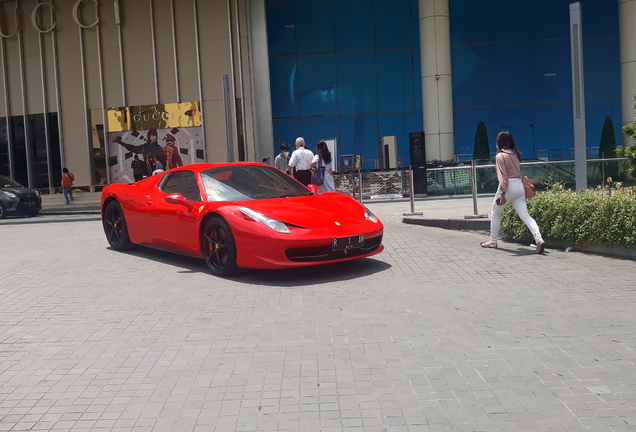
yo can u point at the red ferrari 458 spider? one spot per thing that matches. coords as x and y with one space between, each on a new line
239 215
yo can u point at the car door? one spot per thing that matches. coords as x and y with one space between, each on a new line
173 221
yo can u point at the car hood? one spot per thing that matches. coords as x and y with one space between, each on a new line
314 211
23 191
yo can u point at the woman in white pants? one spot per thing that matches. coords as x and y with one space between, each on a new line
510 190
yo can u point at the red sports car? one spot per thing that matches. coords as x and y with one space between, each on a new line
239 215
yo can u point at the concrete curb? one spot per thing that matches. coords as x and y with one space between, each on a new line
615 251
452 224
69 211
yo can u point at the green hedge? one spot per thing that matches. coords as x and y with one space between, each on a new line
602 215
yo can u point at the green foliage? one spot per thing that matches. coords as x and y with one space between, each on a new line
602 215
607 147
481 149
630 151
441 162
630 163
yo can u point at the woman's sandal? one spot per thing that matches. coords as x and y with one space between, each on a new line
487 244
540 247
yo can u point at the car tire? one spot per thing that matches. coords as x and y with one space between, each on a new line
3 211
219 247
115 227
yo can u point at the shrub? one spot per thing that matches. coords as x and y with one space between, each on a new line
630 163
602 215
630 151
607 146
481 148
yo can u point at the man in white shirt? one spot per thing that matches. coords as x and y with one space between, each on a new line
301 160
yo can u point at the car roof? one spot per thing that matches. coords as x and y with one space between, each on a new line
198 167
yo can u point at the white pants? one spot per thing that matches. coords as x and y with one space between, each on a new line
517 196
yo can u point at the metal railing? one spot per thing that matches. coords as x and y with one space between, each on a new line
446 181
457 180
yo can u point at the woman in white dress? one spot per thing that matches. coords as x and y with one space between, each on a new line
322 152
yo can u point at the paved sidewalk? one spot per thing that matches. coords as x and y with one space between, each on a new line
84 202
437 208
433 335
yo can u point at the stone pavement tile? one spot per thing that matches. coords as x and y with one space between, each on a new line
442 338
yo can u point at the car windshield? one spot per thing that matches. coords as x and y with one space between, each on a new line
6 182
246 182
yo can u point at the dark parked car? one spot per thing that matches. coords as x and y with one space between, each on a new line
16 199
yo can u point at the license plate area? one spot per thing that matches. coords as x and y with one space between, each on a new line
344 243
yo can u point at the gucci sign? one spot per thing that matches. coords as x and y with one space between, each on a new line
35 15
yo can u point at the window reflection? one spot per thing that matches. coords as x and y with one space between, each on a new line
13 150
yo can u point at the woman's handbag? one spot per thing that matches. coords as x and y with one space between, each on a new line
318 177
528 187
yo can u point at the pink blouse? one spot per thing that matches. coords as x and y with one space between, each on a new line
507 164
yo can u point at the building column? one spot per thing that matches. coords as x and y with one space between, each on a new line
627 33
437 84
261 94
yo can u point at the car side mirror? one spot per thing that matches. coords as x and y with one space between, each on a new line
313 188
178 199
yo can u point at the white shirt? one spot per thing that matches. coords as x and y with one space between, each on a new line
301 159
328 185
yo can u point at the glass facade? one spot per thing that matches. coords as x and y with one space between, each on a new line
350 69
14 133
511 70
347 69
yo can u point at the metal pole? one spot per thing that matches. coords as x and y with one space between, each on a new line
239 54
411 194
360 184
102 96
88 137
7 107
122 69
473 177
198 51
28 144
603 169
578 96
229 131
58 101
49 165
174 47
154 49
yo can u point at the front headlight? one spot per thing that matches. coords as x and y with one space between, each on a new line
37 193
9 194
277 226
369 215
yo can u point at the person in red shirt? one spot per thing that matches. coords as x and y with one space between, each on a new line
67 185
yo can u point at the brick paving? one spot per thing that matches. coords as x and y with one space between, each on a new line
434 334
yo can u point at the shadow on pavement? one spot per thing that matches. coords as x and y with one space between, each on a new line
311 275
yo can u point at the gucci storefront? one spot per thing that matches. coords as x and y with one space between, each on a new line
89 84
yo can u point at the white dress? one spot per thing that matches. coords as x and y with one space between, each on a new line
328 185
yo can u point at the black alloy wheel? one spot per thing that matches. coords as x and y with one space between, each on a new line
3 211
219 248
115 227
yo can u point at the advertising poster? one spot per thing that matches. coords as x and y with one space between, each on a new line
148 139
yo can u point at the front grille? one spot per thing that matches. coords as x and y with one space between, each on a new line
324 253
28 204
